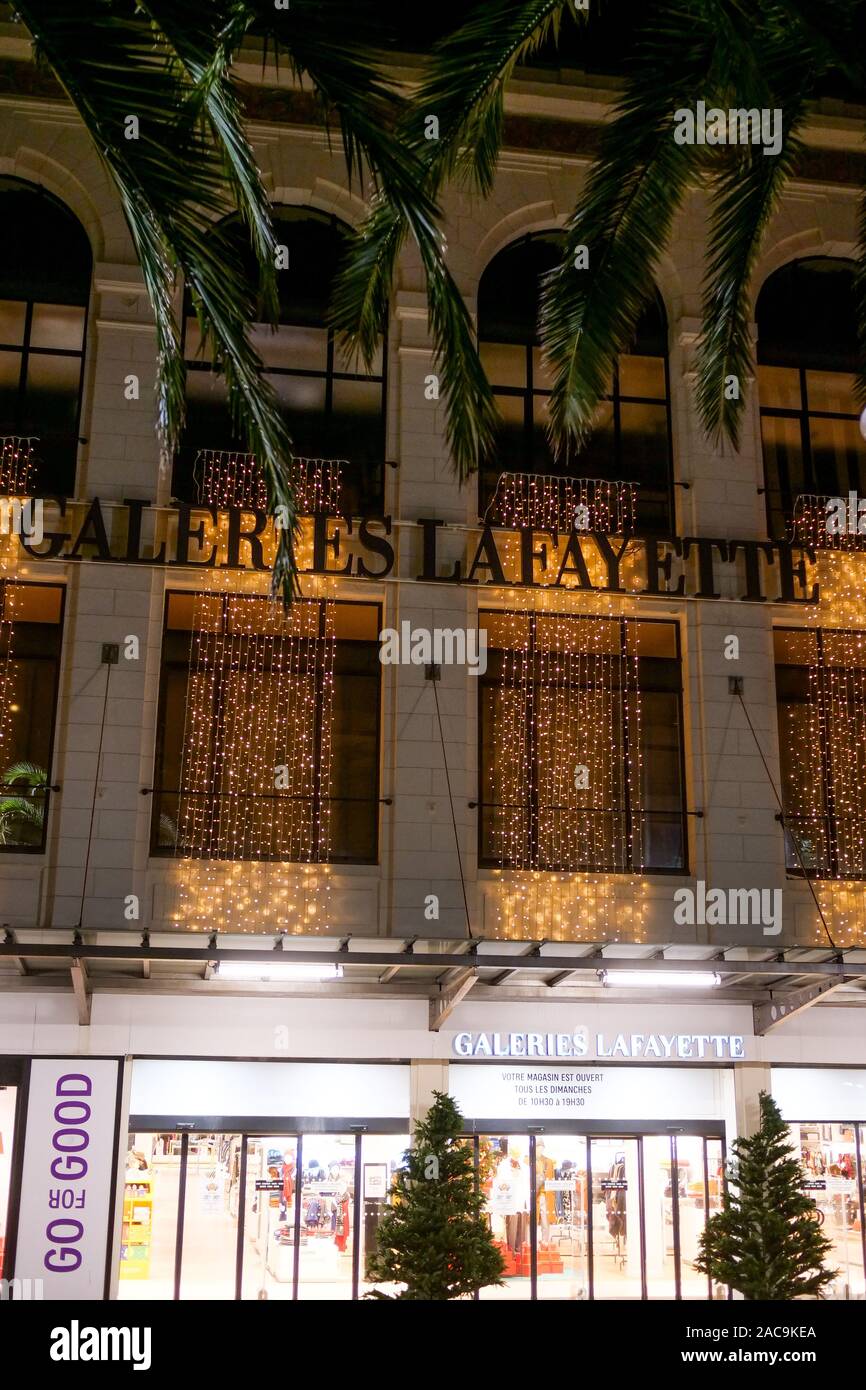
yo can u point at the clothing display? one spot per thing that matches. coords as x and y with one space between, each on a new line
615 1201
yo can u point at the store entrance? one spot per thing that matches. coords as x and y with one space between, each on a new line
253 1216
601 1216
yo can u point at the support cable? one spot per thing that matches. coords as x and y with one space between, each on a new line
739 695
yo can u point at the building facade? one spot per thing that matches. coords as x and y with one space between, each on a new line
541 776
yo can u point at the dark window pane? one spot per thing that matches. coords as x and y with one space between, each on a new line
838 455
58 326
10 378
642 376
13 313
52 394
291 348
504 363
779 388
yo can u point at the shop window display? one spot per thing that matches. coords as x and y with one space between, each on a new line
149 1217
503 1170
615 1217
829 1158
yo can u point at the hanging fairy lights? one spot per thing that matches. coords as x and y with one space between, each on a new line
552 503
228 478
815 523
256 768
564 801
18 465
825 787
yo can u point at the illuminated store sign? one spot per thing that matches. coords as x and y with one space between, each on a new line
201 537
691 1047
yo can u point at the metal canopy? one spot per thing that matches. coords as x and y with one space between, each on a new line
776 982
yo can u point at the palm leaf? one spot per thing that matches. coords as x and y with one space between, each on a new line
204 39
173 189
31 773
464 91
588 316
745 197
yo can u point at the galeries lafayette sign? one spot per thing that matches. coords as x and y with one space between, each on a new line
200 537
691 1047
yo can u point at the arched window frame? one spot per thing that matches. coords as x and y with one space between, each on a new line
779 489
658 517
55 460
363 485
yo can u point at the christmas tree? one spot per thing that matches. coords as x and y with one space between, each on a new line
434 1238
766 1242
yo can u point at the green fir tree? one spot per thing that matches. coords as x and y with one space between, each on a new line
435 1239
766 1242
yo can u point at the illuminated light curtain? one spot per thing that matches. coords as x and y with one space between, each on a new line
570 857
808 526
254 802
227 478
17 465
551 503
17 480
827 749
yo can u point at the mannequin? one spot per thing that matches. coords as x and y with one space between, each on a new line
511 1198
545 1200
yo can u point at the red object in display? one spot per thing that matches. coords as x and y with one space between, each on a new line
341 1239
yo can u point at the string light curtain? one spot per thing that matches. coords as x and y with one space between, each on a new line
552 503
821 685
809 526
256 763
228 478
562 774
18 458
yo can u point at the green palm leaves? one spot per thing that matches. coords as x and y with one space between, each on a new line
764 57
184 164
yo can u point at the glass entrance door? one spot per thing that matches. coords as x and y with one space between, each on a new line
578 1216
615 1218
271 1239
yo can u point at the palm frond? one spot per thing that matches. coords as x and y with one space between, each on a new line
588 316
172 185
745 196
464 92
23 771
204 39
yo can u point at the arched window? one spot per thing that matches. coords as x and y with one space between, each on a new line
632 440
334 410
45 272
807 356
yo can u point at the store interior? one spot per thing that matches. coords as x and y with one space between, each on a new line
217 1216
606 1214
261 1213
830 1161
